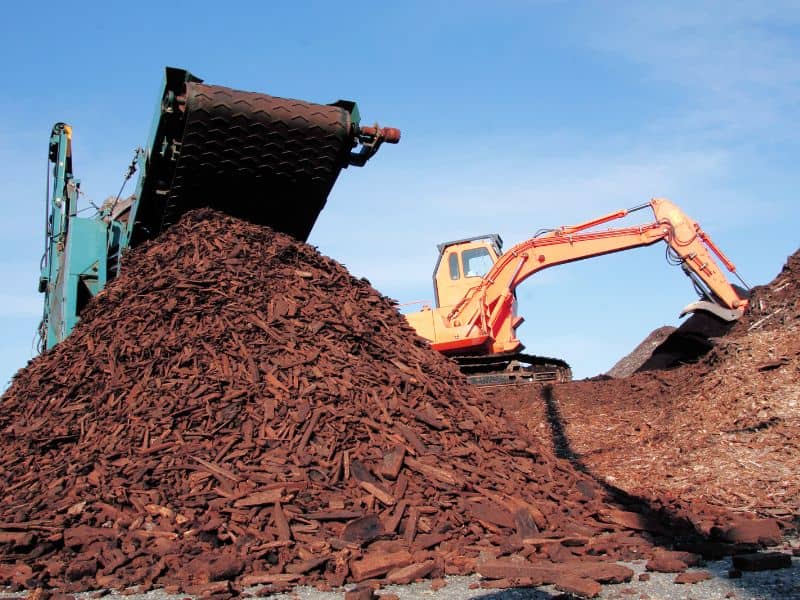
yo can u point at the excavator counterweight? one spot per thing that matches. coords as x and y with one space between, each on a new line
272 161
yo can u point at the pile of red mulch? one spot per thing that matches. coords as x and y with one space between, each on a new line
775 306
771 307
236 409
630 363
722 432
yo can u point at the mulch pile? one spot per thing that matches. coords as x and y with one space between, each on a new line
775 306
724 431
630 363
236 409
687 344
771 307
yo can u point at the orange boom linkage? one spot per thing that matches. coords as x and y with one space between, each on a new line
476 314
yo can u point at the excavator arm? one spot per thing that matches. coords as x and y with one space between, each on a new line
484 321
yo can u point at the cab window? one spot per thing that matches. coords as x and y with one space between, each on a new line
452 260
476 262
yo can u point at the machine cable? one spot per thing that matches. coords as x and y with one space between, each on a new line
130 172
742 281
47 230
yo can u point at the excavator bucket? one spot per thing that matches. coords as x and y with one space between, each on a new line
726 314
269 160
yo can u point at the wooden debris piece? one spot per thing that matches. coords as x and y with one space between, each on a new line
260 498
377 491
580 586
281 523
333 515
437 473
363 530
508 569
631 520
392 462
305 566
692 577
412 572
378 563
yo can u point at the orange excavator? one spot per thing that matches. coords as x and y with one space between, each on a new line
475 319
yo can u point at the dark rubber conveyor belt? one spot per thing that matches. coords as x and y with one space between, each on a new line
269 160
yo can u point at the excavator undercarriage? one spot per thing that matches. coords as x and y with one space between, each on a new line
504 369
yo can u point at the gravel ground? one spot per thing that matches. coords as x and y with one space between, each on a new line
779 584
773 585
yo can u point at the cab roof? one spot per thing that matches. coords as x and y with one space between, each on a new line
492 237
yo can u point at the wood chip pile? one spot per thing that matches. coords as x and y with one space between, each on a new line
775 306
236 409
629 364
724 431
772 306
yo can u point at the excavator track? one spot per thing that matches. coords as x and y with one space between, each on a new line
503 369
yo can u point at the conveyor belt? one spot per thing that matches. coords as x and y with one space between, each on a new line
269 160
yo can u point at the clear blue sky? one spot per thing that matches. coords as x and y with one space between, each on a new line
515 116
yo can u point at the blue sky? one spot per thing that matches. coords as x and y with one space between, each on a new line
515 116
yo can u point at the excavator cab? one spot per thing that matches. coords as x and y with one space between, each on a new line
459 272
461 264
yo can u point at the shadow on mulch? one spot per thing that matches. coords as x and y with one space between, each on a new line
683 533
